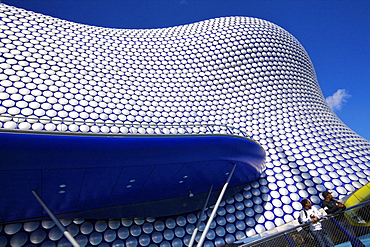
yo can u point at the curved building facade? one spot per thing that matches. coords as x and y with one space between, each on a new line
59 77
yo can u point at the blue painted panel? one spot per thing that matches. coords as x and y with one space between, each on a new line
54 182
242 174
224 174
210 175
129 185
17 200
158 182
187 179
97 186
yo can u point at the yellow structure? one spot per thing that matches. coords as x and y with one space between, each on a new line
359 196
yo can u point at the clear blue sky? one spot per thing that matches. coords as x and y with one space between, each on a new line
335 33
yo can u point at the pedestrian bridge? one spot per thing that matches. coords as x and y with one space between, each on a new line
355 229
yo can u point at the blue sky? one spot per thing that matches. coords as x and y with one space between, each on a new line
335 33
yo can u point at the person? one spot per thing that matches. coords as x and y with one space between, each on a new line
310 214
299 240
332 206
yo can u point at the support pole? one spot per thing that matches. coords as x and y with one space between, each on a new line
56 221
199 219
201 240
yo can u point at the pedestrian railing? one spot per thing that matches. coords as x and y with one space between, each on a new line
347 228
58 125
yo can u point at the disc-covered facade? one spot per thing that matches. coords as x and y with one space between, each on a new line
61 77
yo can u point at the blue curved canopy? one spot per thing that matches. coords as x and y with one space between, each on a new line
104 176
